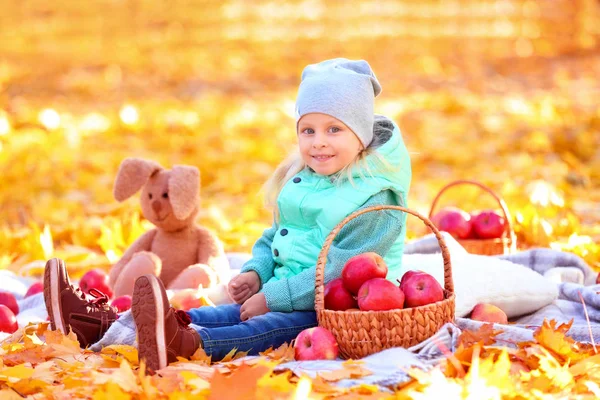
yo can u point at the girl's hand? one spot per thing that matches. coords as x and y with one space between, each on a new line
244 286
253 307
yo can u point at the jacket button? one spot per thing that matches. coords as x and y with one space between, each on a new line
276 252
297 180
284 232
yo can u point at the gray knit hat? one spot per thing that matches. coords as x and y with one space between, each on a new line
344 89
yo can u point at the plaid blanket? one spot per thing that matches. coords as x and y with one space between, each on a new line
573 276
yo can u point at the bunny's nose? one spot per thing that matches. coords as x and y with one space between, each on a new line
156 206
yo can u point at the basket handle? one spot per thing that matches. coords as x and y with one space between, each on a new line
322 259
509 228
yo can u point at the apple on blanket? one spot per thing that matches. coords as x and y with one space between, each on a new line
513 288
9 309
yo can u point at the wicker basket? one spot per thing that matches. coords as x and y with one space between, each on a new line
504 245
360 333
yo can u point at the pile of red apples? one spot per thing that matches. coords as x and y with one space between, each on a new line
9 308
486 224
93 279
363 287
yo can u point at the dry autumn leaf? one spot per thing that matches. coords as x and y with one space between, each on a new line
350 370
233 355
485 335
118 353
555 340
244 380
123 377
9 394
279 384
284 352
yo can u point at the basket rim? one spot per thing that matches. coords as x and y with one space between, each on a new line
322 258
451 296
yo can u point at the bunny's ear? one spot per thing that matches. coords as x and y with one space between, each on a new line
133 174
184 190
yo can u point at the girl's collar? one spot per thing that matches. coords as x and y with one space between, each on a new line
309 172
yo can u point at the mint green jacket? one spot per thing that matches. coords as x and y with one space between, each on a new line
311 205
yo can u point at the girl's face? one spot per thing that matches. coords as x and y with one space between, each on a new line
326 144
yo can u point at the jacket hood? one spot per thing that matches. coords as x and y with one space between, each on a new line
391 160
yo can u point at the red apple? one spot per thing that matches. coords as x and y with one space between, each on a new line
8 321
337 297
315 344
36 287
122 303
421 289
95 279
454 221
488 224
362 268
8 299
489 313
379 294
407 275
435 218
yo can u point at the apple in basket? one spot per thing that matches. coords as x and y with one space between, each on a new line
8 321
408 274
362 268
95 279
487 224
122 303
8 299
315 344
379 294
454 221
421 289
489 313
337 297
35 288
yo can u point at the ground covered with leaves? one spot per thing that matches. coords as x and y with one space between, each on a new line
529 128
38 363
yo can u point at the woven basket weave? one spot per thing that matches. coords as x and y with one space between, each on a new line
360 333
505 245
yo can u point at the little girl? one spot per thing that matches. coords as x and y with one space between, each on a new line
347 159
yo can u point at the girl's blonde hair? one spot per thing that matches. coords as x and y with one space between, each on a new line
294 163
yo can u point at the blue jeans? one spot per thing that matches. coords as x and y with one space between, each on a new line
222 330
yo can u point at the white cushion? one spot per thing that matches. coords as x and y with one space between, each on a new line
566 274
514 288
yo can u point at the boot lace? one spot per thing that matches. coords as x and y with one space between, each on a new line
183 318
99 301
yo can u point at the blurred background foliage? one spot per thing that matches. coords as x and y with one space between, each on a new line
500 91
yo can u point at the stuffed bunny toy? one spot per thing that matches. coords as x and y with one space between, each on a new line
183 254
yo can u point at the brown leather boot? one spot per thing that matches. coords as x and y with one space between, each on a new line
69 309
163 332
